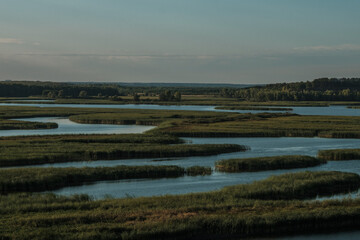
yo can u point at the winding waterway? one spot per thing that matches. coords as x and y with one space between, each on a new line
217 180
140 187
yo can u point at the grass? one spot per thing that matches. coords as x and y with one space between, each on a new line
33 150
259 108
220 214
339 154
267 163
46 179
265 125
6 124
198 170
205 124
302 185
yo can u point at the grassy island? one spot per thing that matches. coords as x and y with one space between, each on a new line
204 124
213 215
6 124
301 185
33 150
259 108
45 179
267 163
340 154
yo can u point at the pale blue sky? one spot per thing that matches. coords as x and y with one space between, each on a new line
214 41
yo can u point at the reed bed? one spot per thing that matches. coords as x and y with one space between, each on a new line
213 215
34 154
45 179
339 154
198 170
267 163
302 185
258 108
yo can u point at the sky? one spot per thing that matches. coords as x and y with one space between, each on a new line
189 41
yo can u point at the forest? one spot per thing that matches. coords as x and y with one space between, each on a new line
323 89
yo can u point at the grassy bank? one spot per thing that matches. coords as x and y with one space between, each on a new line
205 124
302 185
19 151
265 125
340 154
45 179
221 214
198 170
7 124
258 108
267 163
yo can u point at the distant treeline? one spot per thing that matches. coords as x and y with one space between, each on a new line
82 90
49 89
324 89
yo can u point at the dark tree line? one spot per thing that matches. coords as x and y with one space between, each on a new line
324 89
83 90
53 90
167 95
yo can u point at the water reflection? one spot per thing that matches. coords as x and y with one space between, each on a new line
68 127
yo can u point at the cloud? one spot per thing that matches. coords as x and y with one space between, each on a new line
326 48
10 41
132 58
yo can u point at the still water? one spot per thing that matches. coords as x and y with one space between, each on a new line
65 126
216 181
141 187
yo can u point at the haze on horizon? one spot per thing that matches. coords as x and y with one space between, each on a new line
204 41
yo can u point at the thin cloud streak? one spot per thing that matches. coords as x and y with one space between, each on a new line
342 47
10 41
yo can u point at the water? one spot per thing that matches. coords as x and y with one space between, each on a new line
182 185
330 111
259 147
216 181
68 127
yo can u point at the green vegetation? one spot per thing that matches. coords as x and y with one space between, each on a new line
340 154
53 90
318 90
253 108
267 163
264 125
15 124
302 185
198 170
45 179
205 124
32 150
216 214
